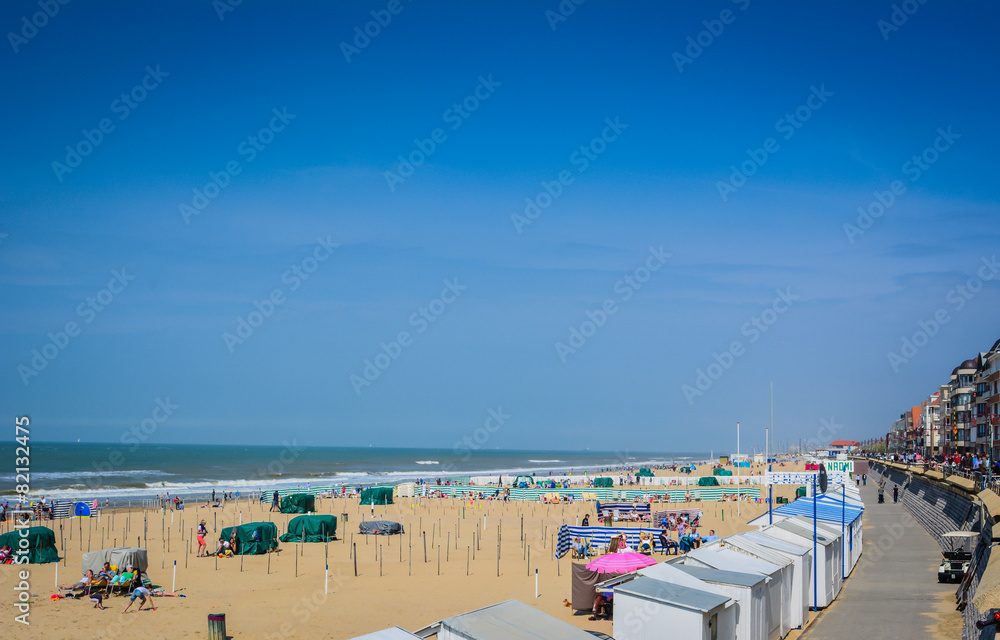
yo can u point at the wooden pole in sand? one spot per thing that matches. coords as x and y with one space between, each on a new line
355 559
447 549
439 560
425 546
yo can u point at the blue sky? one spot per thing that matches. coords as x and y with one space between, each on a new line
653 181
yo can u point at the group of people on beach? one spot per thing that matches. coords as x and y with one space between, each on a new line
98 587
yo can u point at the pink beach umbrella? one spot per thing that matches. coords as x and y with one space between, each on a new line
620 563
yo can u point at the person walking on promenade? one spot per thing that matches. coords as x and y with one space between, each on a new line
864 479
895 493
881 494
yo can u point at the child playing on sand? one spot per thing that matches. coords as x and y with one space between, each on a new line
141 593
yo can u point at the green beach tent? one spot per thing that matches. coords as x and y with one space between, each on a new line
318 528
377 495
525 479
298 503
708 481
721 472
267 534
603 482
40 545
645 473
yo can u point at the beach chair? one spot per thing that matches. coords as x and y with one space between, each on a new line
125 587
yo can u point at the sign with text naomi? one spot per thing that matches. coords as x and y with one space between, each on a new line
840 466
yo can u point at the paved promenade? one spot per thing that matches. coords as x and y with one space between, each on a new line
893 592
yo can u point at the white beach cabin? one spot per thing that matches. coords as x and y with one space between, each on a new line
717 557
801 558
828 562
749 590
648 609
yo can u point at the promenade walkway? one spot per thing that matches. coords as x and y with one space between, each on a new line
893 593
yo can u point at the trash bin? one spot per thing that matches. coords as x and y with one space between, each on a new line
800 492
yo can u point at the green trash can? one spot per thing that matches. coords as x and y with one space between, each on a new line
800 492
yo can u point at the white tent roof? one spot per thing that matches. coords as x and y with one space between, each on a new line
395 633
666 593
513 620
774 543
729 560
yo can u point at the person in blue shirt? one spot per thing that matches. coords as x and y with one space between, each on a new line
711 537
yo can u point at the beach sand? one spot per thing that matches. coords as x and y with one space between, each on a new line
394 585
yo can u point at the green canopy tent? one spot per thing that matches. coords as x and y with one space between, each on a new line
298 503
267 538
40 545
645 473
318 528
708 481
604 482
528 480
377 495
721 472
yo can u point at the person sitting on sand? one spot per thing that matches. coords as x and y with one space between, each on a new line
98 600
711 537
233 542
141 593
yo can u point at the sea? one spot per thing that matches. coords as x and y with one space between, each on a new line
85 471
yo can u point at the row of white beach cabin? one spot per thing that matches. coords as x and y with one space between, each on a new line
765 575
751 586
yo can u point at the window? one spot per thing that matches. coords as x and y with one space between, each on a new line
981 431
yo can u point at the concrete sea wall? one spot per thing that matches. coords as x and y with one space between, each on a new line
941 504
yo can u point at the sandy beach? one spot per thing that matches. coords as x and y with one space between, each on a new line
281 595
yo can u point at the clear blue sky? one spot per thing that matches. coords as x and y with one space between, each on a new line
215 83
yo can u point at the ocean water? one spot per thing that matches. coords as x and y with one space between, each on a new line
88 470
